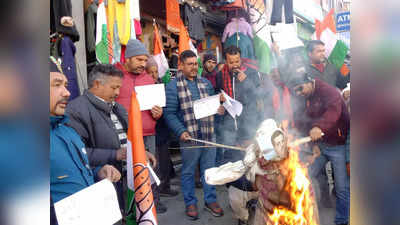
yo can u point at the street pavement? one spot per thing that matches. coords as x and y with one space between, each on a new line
176 209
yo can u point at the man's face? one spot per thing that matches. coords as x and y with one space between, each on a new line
58 93
136 64
109 90
303 90
233 61
317 56
153 72
210 65
190 67
279 144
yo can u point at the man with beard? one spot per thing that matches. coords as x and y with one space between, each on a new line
136 57
210 69
326 120
181 93
101 122
70 170
320 67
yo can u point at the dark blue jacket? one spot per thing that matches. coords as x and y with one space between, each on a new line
69 165
173 114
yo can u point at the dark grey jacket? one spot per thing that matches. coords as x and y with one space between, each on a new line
90 117
331 75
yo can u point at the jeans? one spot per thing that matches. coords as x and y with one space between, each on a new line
336 155
276 16
190 159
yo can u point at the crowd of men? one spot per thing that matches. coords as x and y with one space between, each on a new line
89 134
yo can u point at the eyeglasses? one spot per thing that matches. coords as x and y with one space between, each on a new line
192 64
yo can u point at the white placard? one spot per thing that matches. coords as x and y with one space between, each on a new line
150 95
206 106
96 204
233 106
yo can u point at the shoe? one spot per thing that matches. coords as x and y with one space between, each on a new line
242 222
191 212
214 209
161 208
168 193
198 184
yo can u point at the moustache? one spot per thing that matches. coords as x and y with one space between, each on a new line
63 101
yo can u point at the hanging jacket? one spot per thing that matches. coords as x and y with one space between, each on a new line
129 83
69 165
245 43
69 67
237 25
195 22
59 9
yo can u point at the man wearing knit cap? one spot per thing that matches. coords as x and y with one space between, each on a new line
210 70
136 57
325 119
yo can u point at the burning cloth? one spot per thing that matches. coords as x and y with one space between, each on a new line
285 194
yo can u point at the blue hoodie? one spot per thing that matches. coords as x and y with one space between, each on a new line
69 165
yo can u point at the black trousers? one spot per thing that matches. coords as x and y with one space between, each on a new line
276 16
164 165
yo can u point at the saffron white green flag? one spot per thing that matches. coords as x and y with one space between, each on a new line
262 34
101 34
158 53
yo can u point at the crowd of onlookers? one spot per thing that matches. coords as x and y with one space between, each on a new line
304 93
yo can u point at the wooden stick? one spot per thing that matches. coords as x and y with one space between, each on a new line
217 145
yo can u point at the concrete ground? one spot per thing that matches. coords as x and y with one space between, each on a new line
176 209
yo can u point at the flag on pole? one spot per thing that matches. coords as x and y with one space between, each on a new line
159 56
262 34
138 173
101 34
335 49
185 43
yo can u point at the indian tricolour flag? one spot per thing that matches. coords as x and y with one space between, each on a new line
159 57
335 49
138 172
102 43
262 34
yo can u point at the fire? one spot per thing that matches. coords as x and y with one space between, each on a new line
301 199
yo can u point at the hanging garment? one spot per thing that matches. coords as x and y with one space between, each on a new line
195 22
59 9
173 16
219 3
244 42
237 25
276 16
90 28
123 20
237 4
68 66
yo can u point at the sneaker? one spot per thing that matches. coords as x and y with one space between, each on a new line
168 193
214 209
161 208
191 212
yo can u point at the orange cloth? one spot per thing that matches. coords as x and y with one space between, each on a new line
173 15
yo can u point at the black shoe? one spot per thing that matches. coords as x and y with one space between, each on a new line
241 222
198 184
161 208
168 193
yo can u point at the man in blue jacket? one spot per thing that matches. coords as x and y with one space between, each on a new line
181 93
70 171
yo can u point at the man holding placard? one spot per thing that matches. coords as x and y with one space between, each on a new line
135 75
181 94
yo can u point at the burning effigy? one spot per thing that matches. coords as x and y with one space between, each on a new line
285 195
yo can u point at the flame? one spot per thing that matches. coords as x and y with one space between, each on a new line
301 199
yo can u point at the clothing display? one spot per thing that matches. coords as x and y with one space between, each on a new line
59 9
195 22
244 42
68 50
237 25
276 16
